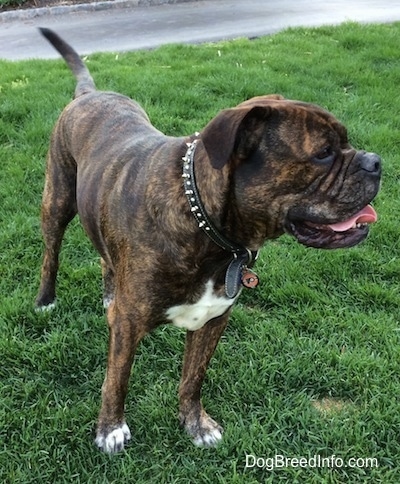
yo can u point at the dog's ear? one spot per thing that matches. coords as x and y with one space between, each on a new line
234 129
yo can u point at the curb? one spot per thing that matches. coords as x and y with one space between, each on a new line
30 13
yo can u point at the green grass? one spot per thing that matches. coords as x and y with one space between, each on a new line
12 4
310 362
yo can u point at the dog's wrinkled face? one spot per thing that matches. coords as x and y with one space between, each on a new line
296 171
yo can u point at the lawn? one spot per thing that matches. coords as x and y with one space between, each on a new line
310 363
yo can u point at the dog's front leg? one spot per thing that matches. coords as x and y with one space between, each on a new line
200 346
112 431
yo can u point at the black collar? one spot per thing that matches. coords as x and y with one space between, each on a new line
241 256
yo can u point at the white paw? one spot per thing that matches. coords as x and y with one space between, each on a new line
208 439
115 440
47 307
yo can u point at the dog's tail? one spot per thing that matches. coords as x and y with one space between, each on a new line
85 82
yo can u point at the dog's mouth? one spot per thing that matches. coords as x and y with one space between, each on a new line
347 233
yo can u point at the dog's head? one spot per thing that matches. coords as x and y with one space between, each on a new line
294 171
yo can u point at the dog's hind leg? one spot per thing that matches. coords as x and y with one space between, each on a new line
200 346
58 208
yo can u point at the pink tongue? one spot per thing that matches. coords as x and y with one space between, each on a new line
366 215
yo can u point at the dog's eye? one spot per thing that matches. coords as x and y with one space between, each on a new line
327 155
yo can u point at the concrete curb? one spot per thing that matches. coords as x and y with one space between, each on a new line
29 13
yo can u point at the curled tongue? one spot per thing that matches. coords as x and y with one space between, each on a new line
365 216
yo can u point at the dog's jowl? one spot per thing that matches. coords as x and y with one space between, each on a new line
187 216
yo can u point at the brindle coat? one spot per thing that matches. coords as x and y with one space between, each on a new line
262 169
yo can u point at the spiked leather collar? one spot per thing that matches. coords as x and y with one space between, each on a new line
238 272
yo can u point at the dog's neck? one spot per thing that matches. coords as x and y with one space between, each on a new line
242 257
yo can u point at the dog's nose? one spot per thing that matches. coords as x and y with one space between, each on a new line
370 162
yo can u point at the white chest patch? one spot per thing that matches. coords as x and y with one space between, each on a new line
195 316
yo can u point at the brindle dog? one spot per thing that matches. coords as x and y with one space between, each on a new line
178 222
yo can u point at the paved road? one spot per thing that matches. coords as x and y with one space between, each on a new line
131 28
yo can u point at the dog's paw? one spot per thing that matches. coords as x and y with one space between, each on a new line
204 431
209 437
43 308
115 440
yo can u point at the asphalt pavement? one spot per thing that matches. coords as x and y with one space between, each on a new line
123 25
